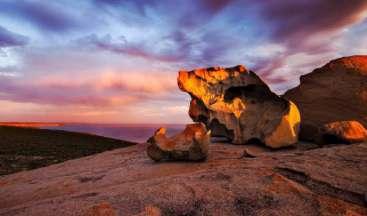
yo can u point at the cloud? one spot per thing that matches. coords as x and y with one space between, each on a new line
214 6
9 71
188 36
309 32
121 46
67 95
108 54
305 18
310 26
175 47
45 15
20 92
151 84
199 13
186 14
136 6
106 90
11 39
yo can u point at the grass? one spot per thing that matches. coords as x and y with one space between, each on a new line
31 148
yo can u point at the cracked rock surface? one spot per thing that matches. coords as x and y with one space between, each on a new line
235 103
293 181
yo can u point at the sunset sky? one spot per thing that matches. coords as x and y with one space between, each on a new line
116 61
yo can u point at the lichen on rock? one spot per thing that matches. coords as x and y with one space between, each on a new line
235 103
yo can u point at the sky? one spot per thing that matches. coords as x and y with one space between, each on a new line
116 61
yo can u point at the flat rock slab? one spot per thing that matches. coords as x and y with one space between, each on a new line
324 181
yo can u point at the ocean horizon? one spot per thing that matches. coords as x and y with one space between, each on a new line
129 132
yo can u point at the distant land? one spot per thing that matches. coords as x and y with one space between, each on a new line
125 131
32 124
25 148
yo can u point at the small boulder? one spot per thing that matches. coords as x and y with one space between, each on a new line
342 132
192 144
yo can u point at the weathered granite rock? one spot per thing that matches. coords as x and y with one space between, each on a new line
335 92
324 181
192 144
237 104
342 132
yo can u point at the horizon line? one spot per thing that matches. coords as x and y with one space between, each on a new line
62 122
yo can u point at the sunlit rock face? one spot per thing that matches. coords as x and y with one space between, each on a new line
342 132
237 104
335 92
191 144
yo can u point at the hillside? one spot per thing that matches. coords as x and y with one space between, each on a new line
30 148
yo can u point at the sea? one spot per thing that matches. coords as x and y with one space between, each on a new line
129 132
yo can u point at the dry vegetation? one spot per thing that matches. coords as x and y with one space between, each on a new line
30 148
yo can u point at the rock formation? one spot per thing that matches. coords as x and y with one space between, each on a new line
237 104
342 132
335 92
192 144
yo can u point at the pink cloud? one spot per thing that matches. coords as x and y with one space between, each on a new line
104 89
150 83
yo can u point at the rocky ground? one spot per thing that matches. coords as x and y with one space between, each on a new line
235 180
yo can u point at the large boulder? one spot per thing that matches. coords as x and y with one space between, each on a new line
335 92
342 132
237 104
190 145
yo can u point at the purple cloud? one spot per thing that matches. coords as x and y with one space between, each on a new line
207 49
295 22
298 18
11 39
200 13
43 14
121 46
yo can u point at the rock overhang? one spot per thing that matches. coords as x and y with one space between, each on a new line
239 100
